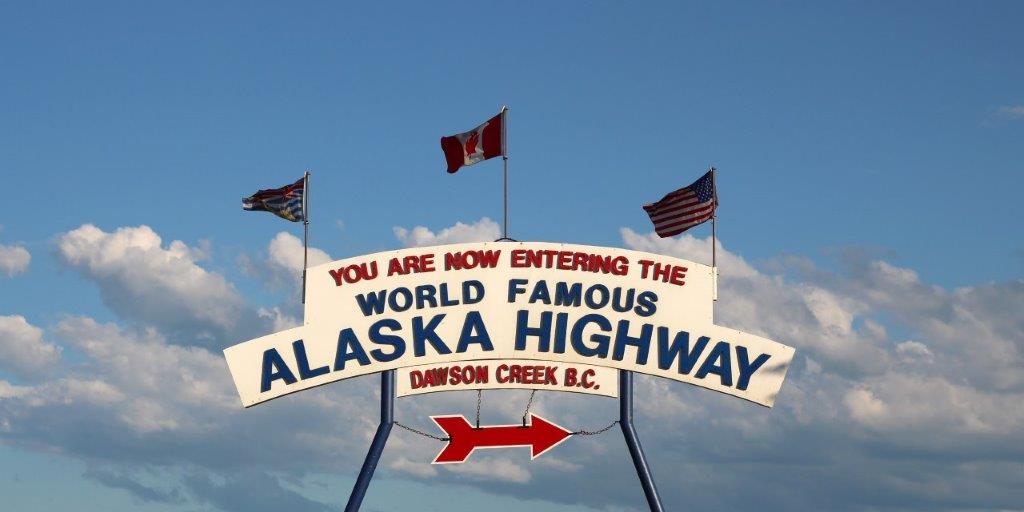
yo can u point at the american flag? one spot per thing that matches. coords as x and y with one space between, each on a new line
285 202
684 208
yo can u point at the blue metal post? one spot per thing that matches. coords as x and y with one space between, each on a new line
387 419
633 442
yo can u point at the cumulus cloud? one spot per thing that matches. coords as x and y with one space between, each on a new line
136 401
903 396
23 352
162 286
14 259
483 230
282 267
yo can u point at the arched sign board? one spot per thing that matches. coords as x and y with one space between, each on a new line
553 317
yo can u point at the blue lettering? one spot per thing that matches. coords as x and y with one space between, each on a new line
300 357
473 285
642 343
593 303
425 293
425 334
515 287
349 348
680 348
393 299
474 323
719 362
371 303
387 339
566 295
540 292
274 368
543 333
601 350
747 368
645 304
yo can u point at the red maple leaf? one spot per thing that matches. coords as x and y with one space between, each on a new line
471 143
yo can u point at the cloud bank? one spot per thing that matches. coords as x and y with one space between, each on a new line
903 396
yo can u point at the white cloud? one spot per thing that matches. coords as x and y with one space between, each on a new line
14 259
23 351
858 411
914 351
483 230
1011 111
145 282
491 468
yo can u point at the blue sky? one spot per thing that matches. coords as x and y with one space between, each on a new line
869 160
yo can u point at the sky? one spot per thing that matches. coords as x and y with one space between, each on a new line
869 159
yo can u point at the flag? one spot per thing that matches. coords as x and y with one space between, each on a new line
479 144
684 208
285 202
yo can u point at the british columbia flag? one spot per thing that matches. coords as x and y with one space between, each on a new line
285 202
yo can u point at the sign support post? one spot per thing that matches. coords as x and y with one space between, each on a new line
387 420
633 441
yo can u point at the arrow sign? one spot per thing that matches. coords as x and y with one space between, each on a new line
539 434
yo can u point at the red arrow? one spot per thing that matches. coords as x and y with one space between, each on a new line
540 435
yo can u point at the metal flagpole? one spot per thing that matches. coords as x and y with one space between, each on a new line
305 231
504 158
714 239
633 441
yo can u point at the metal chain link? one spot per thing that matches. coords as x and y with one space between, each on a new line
446 439
422 433
528 404
479 400
595 432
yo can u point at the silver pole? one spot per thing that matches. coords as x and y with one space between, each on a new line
714 217
504 157
305 232
714 238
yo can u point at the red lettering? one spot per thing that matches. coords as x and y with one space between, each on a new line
678 276
427 263
395 267
570 377
518 258
415 379
336 274
587 383
644 265
411 264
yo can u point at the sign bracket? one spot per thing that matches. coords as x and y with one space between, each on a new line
387 420
643 471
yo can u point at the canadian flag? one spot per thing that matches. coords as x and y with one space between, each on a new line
479 144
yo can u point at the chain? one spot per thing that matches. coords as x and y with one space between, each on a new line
446 439
424 434
528 404
595 432
479 400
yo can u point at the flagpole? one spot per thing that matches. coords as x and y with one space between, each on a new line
504 158
305 231
714 238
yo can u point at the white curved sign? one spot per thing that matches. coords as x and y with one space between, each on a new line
558 303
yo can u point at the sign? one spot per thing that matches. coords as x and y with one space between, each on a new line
470 305
540 435
508 374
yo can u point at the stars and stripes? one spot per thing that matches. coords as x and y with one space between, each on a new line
684 208
285 202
